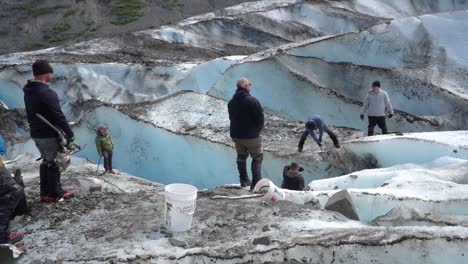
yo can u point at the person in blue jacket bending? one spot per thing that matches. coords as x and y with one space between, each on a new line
315 122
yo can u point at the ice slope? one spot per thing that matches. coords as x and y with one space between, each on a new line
423 43
115 82
438 187
332 75
295 96
269 23
416 148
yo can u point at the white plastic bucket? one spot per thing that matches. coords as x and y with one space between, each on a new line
179 206
274 194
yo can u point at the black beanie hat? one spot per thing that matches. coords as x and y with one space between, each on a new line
40 67
376 83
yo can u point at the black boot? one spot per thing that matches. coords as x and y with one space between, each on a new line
55 186
256 172
243 177
43 179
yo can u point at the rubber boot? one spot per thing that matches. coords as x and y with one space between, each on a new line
43 180
256 172
243 176
53 177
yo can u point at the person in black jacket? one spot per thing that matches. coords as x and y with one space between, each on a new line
12 203
292 177
247 121
40 99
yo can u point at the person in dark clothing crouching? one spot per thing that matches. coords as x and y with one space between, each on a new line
292 177
12 203
246 122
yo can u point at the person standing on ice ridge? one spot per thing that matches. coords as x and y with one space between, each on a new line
315 122
246 122
40 99
375 105
105 147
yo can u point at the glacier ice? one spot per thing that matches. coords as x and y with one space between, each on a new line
438 186
426 82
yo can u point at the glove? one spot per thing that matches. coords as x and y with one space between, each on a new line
362 117
71 143
390 115
320 144
301 169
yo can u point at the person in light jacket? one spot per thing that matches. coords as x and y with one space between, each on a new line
375 105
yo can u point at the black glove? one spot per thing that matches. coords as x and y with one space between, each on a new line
320 144
390 115
301 169
362 117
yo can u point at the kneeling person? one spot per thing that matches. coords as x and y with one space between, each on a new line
292 177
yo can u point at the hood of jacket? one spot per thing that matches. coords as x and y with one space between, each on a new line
240 93
33 86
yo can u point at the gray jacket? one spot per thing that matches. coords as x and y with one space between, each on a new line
375 104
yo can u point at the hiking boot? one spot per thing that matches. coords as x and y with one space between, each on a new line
256 172
112 172
48 199
15 237
337 146
67 195
243 177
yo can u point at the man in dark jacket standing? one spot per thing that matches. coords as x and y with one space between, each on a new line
40 99
247 120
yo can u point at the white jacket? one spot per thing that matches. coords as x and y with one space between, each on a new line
376 103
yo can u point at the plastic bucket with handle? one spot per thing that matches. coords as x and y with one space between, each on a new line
179 206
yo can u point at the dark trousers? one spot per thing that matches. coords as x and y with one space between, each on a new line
376 120
49 173
254 148
107 160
